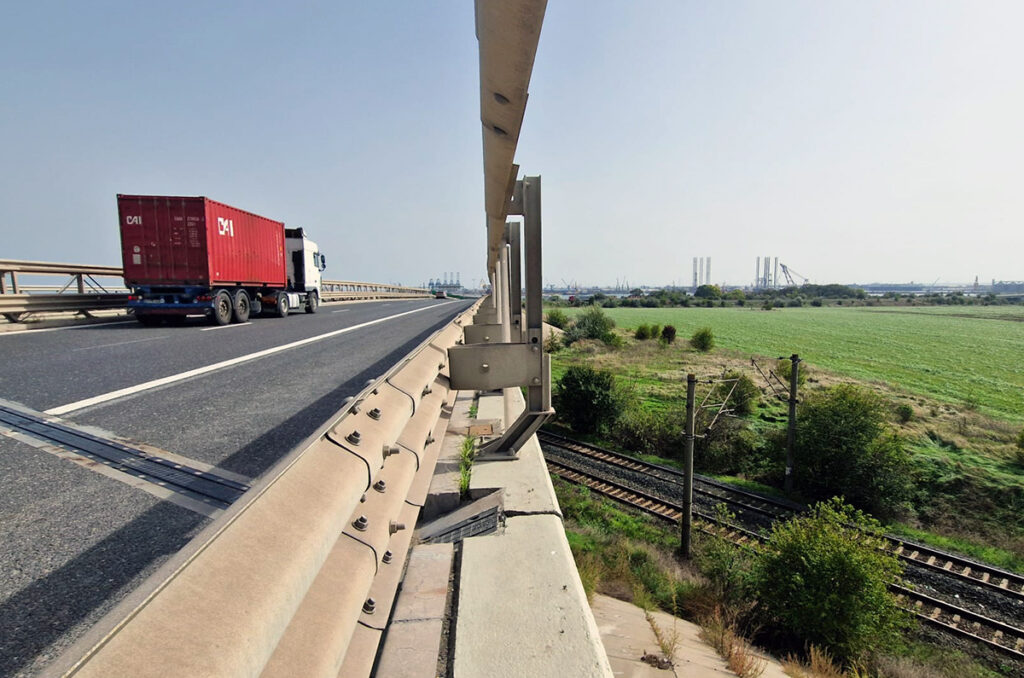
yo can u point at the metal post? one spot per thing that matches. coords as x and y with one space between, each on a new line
794 372
81 284
14 282
538 395
515 294
687 517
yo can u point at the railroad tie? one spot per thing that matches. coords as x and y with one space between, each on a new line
966 572
931 560
956 621
948 565
1004 584
984 576
935 613
914 554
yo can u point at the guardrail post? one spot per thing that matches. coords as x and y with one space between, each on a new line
81 284
515 281
518 363
794 373
14 282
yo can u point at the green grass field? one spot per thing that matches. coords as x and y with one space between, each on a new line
965 355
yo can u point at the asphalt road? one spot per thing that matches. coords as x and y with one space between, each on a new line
77 541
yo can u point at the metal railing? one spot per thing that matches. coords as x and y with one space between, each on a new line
88 288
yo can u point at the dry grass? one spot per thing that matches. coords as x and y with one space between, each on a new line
720 631
668 639
902 667
819 664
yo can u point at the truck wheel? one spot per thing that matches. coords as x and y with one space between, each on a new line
241 307
221 308
147 320
312 302
281 309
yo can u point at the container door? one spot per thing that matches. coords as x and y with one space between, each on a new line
163 240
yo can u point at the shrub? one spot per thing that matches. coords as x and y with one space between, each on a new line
741 302
668 334
655 332
651 432
767 305
643 332
843 447
815 302
586 399
823 579
784 368
591 324
727 448
744 395
1020 447
703 340
558 318
905 413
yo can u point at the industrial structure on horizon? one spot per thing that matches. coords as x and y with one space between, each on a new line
701 271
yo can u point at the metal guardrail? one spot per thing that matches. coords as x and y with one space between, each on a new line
298 577
82 292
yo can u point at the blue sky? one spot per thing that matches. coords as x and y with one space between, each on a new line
857 141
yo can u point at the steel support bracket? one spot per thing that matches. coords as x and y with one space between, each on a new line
487 361
483 334
488 367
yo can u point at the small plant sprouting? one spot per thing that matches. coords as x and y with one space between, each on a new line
466 456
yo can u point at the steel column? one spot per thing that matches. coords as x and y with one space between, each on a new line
686 521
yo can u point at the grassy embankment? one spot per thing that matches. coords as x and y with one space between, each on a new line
959 368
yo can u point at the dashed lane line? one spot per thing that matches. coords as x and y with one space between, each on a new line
120 393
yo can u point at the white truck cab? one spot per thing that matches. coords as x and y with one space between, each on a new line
304 267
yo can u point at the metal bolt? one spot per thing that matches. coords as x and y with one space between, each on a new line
380 485
361 523
500 98
369 606
374 413
440 366
395 527
427 390
429 440
390 450
354 409
485 367
354 437
369 382
387 557
536 380
362 498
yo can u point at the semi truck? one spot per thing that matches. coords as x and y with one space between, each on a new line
185 256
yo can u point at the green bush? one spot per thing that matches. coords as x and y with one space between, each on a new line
744 395
558 318
815 302
843 447
655 332
1020 447
591 324
703 340
784 368
643 332
905 413
728 448
668 334
586 399
650 432
823 579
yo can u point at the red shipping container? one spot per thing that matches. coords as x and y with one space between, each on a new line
168 240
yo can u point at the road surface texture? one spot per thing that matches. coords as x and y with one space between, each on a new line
78 536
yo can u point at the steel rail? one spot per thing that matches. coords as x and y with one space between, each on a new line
950 565
720 491
943 615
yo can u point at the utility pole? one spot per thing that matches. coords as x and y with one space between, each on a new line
794 372
687 517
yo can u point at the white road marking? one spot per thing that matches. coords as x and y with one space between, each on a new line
342 310
120 393
120 343
66 327
224 327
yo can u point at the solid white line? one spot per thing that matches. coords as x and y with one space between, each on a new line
224 327
66 327
120 343
120 393
342 310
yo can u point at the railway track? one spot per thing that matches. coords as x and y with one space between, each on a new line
990 578
955 620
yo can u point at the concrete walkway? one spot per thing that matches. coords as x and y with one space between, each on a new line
628 636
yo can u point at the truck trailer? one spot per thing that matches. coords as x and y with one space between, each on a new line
187 256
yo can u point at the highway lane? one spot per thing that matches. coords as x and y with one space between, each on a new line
101 358
76 541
